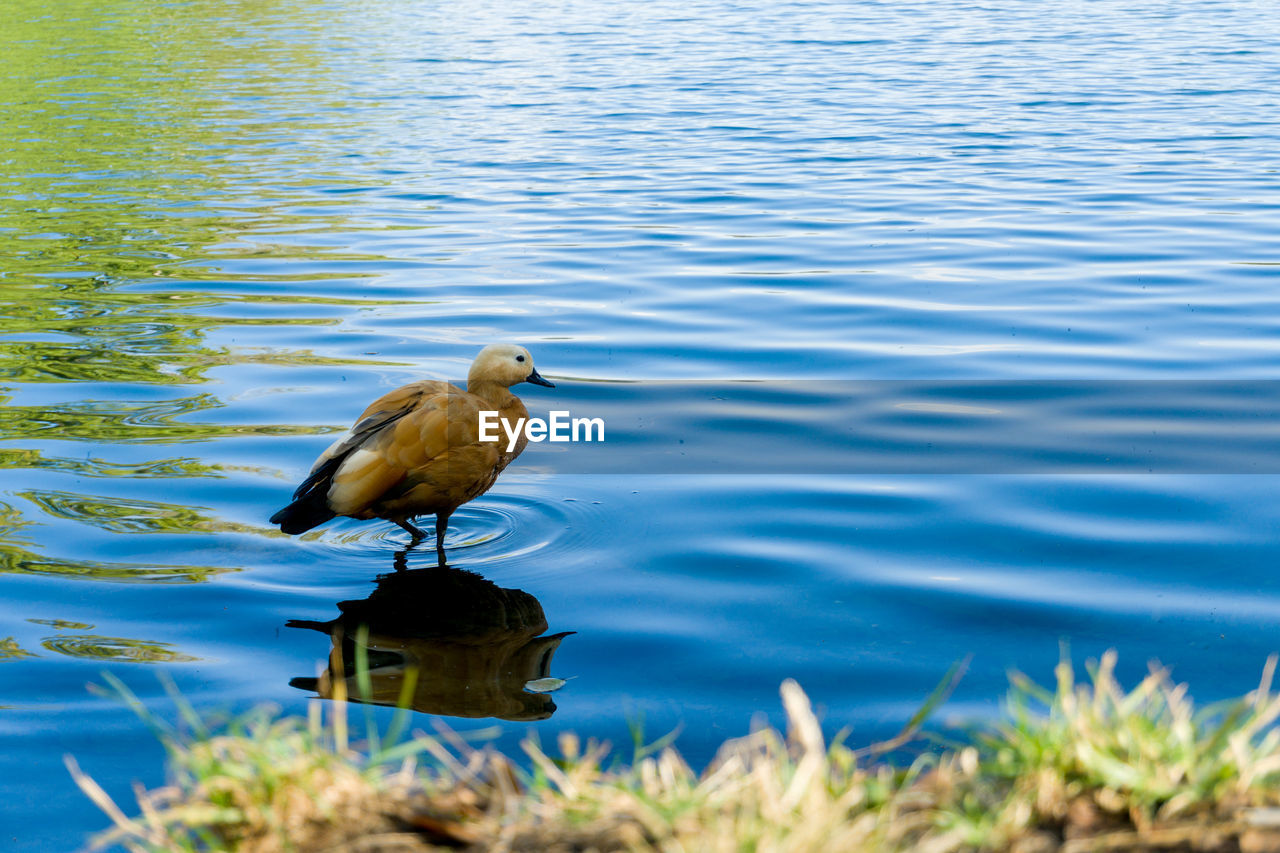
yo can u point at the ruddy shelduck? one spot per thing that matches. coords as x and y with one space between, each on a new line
417 450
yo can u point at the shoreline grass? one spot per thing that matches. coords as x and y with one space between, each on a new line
1081 766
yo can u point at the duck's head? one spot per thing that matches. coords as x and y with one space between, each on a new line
506 365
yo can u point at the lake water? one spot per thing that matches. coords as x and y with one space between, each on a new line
966 315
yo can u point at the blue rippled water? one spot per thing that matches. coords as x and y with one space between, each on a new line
227 227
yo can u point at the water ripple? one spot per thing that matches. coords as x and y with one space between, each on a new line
523 534
219 248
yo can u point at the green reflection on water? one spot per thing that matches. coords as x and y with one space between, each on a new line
99 647
62 624
17 557
120 515
17 457
10 650
145 145
166 177
122 421
95 646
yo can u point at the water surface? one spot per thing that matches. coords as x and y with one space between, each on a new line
226 227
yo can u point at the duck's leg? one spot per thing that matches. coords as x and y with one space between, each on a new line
413 531
442 527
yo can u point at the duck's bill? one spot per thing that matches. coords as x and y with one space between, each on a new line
536 379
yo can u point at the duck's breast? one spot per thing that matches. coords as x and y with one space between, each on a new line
444 462
515 415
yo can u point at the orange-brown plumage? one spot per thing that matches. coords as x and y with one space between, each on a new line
417 450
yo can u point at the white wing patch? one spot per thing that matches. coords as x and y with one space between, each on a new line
345 496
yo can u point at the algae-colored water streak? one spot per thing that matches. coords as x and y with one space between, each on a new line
136 138
20 555
142 245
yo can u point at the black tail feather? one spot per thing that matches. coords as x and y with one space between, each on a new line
308 511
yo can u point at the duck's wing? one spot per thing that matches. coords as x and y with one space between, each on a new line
387 448
387 409
409 395
382 414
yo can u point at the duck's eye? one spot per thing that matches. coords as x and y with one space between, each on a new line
519 358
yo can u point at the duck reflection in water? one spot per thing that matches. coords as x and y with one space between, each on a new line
475 645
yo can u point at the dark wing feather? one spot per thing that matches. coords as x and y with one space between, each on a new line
360 433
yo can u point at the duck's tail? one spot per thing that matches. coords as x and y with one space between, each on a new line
308 511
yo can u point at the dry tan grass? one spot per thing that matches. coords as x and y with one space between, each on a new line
1083 767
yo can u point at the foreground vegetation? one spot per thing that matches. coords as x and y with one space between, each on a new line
1085 766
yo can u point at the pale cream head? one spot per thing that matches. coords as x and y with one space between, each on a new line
506 365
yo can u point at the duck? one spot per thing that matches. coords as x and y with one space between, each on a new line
417 450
